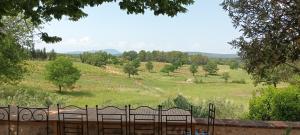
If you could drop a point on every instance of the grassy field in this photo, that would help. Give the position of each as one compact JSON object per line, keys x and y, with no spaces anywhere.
{"x":110,"y":86}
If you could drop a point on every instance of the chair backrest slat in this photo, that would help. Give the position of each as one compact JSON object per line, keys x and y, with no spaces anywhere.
{"x":176,"y":118}
{"x":71,"y":120}
{"x":144,"y":120}
{"x":111,"y":120}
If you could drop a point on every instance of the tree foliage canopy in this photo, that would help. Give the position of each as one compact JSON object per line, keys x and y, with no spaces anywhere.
{"x":149,"y":66}
{"x":211,"y":67}
{"x":41,"y":11}
{"x":271,"y":33}
{"x":198,"y":59}
{"x":13,"y":47}
{"x":168,"y":68}
{"x":130,"y":55}
{"x":99,"y":58}
{"x":12,"y":65}
{"x":226,"y":76}
{"x":194,"y":69}
{"x":130,"y":68}
{"x":62,"y":73}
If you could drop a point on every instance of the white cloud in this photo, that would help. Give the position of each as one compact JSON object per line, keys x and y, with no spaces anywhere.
{"x":68,"y":44}
{"x":85,"y":39}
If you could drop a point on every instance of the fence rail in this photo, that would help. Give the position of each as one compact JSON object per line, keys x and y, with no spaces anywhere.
{"x":125,"y":120}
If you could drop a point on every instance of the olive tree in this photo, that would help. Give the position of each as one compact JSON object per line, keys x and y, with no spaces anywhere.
{"x":194,"y":69}
{"x":211,"y":68}
{"x":130,"y":69}
{"x":62,"y":73}
{"x":149,"y":66}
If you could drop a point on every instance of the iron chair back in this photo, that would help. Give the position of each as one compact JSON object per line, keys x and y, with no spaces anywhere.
{"x":71,"y":120}
{"x":111,"y":119}
{"x":211,"y":119}
{"x":33,"y":115}
{"x":5,"y":116}
{"x":175,"y":117}
{"x":144,"y":120}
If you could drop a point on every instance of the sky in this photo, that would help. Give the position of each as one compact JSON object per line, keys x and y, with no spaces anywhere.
{"x":206,"y":27}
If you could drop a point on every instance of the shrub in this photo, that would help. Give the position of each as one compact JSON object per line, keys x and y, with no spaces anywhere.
{"x":242,"y":81}
{"x":198,"y":81}
{"x":182,"y":102}
{"x":224,"y":108}
{"x":225,"y":76}
{"x":276,"y":104}
{"x":27,"y":97}
{"x":167,"y":69}
{"x":211,"y":68}
{"x":149,"y":66}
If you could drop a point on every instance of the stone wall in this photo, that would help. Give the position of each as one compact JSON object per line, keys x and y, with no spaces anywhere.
{"x":222,"y":127}
{"x":239,"y":127}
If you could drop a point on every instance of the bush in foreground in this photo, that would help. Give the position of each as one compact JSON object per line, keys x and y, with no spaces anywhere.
{"x":28,"y":97}
{"x":276,"y":104}
{"x":225,"y":109}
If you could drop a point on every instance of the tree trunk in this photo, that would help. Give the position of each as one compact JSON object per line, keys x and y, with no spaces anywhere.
{"x":59,"y":88}
{"x":128,"y":75}
{"x":274,"y":84}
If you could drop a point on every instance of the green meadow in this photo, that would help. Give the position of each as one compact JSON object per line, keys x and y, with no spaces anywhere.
{"x":110,"y":86}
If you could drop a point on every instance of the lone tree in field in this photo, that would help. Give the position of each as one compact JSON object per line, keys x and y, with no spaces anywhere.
{"x":149,"y":66}
{"x":167,"y":69}
{"x":225,"y":76}
{"x":194,"y":69}
{"x":62,"y":73}
{"x":211,"y":68}
{"x":131,"y":69}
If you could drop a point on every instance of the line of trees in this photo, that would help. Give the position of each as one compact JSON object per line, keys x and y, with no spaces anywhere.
{"x":169,"y":57}
{"x":176,"y":59}
{"x":41,"y":54}
{"x":99,"y":58}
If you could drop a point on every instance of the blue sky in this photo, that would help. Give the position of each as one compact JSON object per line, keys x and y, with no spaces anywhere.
{"x":206,"y":27}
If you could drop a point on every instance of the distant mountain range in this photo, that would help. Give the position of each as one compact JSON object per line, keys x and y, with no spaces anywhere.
{"x":118,"y":53}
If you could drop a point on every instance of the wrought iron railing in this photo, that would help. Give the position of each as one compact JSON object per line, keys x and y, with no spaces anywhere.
{"x":112,"y":120}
